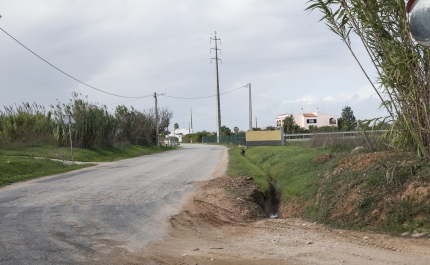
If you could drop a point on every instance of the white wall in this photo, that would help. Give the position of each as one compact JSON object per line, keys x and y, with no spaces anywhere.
{"x":322,"y":119}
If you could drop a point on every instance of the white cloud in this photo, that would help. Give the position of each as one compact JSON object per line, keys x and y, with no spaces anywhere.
{"x":309,"y":99}
{"x":364,"y":93}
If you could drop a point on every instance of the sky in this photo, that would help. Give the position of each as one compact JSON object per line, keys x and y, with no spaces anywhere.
{"x":133,"y":48}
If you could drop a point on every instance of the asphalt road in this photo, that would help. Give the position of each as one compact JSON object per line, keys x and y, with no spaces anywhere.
{"x":83,"y":216}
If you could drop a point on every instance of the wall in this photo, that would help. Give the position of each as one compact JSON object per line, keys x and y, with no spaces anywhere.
{"x":254,"y":138}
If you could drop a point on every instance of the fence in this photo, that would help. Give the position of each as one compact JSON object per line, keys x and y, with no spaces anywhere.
{"x":237,"y":139}
{"x":308,"y":136}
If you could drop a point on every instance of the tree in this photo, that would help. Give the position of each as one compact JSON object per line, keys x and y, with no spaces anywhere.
{"x":347,"y":120}
{"x":236,"y":130}
{"x":225,"y":131}
{"x":176,"y":126}
{"x":270,"y":128}
{"x":401,"y":63}
{"x":290,"y":125}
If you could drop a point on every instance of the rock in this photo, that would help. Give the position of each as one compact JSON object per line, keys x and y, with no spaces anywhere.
{"x":309,"y":243}
{"x":303,"y":224}
{"x":196,"y":249}
{"x":418,"y":234}
{"x":184,"y":255}
{"x":405,"y":234}
{"x":365,"y":237}
{"x":357,"y":149}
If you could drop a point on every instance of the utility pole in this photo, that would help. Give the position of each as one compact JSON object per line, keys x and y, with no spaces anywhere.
{"x":192,"y":120}
{"x":218,"y":106}
{"x":156,"y":117}
{"x":156,"y":120}
{"x":256,"y":126}
{"x":250,"y":108}
{"x":69,"y":117}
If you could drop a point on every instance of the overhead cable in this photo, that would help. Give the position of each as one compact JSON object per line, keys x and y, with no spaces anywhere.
{"x":61,"y":71}
{"x":206,"y":96}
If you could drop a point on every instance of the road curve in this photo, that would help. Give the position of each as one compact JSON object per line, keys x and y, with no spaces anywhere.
{"x":82,"y":216}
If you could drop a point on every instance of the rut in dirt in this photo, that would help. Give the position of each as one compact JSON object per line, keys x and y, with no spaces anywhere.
{"x":270,"y":202}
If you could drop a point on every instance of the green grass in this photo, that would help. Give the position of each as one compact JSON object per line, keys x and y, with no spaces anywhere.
{"x":101,"y":154}
{"x":13,"y":169}
{"x":292,"y":167}
{"x":321,"y":190}
{"x":238,"y":165}
{"x":18,"y":163}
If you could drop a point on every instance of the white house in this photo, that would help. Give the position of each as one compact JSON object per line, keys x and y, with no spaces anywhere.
{"x":179,"y":133}
{"x":305,"y":120}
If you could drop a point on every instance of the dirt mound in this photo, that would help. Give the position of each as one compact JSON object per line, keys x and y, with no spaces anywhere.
{"x":416,"y":192}
{"x":361,"y":161}
{"x":217,"y":198}
{"x":217,"y":227}
{"x":323,"y":158}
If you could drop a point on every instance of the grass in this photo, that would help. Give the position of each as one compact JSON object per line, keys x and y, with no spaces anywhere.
{"x":18,"y":163}
{"x":348,"y":198}
{"x":101,"y":154}
{"x":238,"y":165}
{"x":292,"y":167}
{"x":24,"y":168}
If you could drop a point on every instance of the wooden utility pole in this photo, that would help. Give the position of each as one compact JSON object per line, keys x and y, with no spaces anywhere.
{"x":192,"y":120}
{"x":218,"y":106}
{"x":70,"y":134}
{"x":250,"y":108}
{"x":156,"y":120}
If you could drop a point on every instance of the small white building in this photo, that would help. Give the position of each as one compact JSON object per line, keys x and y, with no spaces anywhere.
{"x":305,"y":120}
{"x":179,"y":133}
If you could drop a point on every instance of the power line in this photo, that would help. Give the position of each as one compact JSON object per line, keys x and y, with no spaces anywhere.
{"x":206,"y":96}
{"x":61,"y":71}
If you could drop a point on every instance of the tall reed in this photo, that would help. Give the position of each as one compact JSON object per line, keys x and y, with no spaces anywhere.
{"x":25,"y":123}
{"x":401,"y":64}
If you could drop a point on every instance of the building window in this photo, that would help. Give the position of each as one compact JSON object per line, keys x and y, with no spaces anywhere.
{"x":312,"y":120}
{"x":332,"y":121}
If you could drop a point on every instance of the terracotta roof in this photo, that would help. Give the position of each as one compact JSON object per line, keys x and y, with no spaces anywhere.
{"x":309,"y":115}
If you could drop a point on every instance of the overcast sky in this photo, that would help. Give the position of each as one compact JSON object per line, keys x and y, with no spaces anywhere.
{"x":135,"y":48}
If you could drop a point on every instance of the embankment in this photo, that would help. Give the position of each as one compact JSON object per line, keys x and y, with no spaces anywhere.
{"x":383,"y":191}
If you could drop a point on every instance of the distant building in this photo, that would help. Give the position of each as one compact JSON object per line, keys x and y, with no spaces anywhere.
{"x":179,"y":133}
{"x":305,"y":120}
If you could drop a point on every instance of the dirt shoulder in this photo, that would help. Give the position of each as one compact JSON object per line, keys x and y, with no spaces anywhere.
{"x":221,"y":224}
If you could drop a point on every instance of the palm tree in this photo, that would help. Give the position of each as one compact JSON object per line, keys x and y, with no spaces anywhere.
{"x":236,"y":130}
{"x":176,"y":126}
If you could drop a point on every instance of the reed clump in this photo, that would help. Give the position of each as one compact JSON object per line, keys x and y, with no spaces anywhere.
{"x":94,"y":124}
{"x":401,"y":64}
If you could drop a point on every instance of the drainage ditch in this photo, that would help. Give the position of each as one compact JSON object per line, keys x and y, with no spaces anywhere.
{"x":270,"y":202}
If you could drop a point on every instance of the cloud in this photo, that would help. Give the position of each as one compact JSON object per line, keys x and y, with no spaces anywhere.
{"x":364,"y":93}
{"x":309,"y":99}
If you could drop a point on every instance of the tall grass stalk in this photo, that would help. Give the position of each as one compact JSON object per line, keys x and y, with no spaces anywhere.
{"x":94,"y":126}
{"x":402,"y":65}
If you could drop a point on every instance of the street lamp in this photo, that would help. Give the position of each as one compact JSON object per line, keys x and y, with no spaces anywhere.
{"x":156,"y":118}
{"x":419,"y":20}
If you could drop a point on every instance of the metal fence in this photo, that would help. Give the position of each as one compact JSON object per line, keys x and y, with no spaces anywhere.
{"x":237,"y":139}
{"x":308,"y":136}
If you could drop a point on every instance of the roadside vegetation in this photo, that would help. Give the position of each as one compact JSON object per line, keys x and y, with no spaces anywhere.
{"x":14,"y":169}
{"x":382,"y":189}
{"x":401,"y":63}
{"x":371,"y":181}
{"x":29,"y":132}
